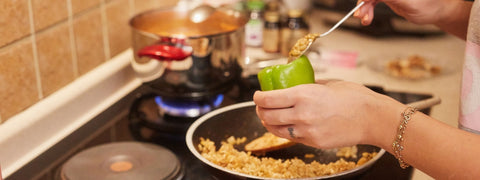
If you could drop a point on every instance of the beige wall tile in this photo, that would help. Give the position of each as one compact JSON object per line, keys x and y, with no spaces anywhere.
{"x":48,"y":12}
{"x":89,"y":40}
{"x":167,"y":3}
{"x":14,"y":22}
{"x":55,"y":58}
{"x":145,"y":5}
{"x":119,"y":34}
{"x":50,"y":17}
{"x":82,"y":5}
{"x":18,"y":87}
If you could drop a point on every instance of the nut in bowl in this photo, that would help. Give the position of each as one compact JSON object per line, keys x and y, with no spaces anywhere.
{"x":412,"y":66}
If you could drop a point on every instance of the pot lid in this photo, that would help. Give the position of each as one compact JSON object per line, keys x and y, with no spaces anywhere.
{"x":177,"y":23}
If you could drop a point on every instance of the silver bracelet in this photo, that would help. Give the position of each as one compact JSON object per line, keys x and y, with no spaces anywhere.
{"x":398,"y":141}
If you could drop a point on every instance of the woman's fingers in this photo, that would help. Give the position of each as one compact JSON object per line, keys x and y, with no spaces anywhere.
{"x":368,"y":18}
{"x":276,"y":117}
{"x":286,"y":98}
{"x":365,"y":13}
{"x":285,"y":131}
{"x":361,"y":11}
{"x":282,"y":98}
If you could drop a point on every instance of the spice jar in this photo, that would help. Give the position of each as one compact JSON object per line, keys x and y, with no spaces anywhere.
{"x":271,"y":32}
{"x":294,"y":29}
{"x":254,"y":27}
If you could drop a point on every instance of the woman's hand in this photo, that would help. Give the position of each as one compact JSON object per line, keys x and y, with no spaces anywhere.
{"x":449,"y":15}
{"x":416,"y":11}
{"x":329,"y":114}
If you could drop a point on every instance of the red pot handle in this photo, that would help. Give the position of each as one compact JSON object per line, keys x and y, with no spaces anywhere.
{"x":165,"y":52}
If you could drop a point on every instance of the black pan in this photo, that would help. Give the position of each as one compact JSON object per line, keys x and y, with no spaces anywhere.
{"x":240,"y":120}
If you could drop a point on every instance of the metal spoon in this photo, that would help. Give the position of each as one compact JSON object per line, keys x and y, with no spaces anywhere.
{"x":315,"y":36}
{"x":201,"y":13}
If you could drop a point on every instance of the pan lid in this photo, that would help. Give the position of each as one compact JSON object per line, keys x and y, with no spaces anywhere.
{"x":172,"y":22}
{"x":123,"y":160}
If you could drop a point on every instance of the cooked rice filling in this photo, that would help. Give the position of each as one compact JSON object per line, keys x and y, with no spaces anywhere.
{"x":244,"y":162}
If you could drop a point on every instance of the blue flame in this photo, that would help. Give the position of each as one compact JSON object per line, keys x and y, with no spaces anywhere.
{"x":188,"y":108}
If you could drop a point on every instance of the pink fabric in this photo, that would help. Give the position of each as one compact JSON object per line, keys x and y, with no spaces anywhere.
{"x":469,"y":118}
{"x":472,"y":49}
{"x":467,"y":81}
{"x":470,"y":95}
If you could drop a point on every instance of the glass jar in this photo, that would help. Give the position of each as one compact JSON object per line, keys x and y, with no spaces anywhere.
{"x":294,"y":29}
{"x":271,"y":32}
{"x":254,"y":27}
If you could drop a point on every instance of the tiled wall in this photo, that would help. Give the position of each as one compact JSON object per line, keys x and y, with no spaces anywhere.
{"x":47,"y":44}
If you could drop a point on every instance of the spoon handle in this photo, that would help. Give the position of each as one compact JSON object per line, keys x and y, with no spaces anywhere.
{"x":343,"y":19}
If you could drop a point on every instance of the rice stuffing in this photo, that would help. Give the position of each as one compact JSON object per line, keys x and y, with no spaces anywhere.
{"x":244,"y":162}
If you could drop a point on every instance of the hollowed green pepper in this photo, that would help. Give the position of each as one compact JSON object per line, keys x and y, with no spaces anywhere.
{"x":297,"y":72}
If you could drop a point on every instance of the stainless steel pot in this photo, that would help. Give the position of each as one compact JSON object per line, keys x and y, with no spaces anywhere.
{"x":182,"y":59}
{"x":240,"y":120}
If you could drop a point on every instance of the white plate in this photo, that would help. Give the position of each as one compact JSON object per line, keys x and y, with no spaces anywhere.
{"x":380,"y":61}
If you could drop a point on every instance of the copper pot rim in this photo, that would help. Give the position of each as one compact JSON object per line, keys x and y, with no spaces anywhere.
{"x":240,"y":17}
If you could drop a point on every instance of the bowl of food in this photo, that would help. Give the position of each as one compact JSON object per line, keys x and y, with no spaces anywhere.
{"x":413,"y":66}
{"x":219,"y":137}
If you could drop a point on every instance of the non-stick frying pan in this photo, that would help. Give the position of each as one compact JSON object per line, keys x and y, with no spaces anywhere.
{"x":240,"y":120}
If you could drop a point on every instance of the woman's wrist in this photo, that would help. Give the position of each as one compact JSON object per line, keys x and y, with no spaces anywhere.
{"x":398,"y":140}
{"x":383,"y":127}
{"x":453,"y":17}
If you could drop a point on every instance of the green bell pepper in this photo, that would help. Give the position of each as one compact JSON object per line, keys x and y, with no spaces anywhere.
{"x":282,"y":76}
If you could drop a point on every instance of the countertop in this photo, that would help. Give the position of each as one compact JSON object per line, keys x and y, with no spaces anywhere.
{"x":446,"y":47}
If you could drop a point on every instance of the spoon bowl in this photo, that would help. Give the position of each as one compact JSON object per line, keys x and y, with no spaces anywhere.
{"x":302,"y":45}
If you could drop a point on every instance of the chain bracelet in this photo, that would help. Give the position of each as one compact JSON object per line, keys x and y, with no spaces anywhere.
{"x":397,"y":145}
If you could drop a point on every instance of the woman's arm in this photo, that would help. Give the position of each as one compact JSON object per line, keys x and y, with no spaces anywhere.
{"x":338,"y":113}
{"x":442,"y":151}
{"x":450,"y":15}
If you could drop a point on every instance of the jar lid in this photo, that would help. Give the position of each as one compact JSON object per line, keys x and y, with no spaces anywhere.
{"x":295,"y":13}
{"x":272,"y":16}
{"x":255,"y":5}
{"x":272,"y":6}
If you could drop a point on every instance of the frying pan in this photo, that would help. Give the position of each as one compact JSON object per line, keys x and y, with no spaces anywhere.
{"x":240,"y":120}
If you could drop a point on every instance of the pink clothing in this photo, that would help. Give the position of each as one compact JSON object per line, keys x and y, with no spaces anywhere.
{"x":470,"y":96}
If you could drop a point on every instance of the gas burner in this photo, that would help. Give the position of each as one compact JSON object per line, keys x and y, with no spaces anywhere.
{"x":165,"y":121}
{"x":186,"y":107}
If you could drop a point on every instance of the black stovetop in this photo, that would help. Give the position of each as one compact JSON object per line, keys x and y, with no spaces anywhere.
{"x":385,"y":168}
{"x":119,"y":118}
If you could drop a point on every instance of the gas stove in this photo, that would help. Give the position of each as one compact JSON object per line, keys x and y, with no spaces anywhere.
{"x":152,"y":120}
{"x":125,"y":121}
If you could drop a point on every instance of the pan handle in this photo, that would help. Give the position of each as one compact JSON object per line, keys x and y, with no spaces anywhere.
{"x":426,"y":103}
{"x":164,"y":52}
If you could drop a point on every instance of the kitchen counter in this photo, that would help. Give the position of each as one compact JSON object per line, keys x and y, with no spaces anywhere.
{"x":447,"y":86}
{"x":77,"y":104}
